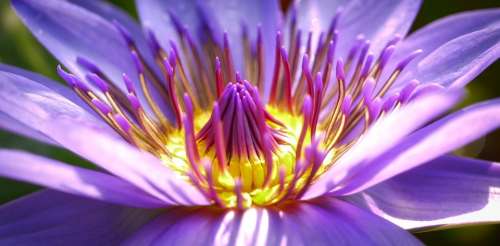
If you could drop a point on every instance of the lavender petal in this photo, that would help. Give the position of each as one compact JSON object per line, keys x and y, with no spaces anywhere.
{"x":27,"y":167}
{"x":166,"y":18}
{"x":9,"y":124}
{"x":51,"y":84}
{"x":434,"y":140}
{"x":55,"y":218}
{"x":446,"y":192}
{"x":325,"y":221}
{"x":378,"y":21}
{"x":69,"y":31}
{"x":455,"y":49}
{"x":35,"y":105}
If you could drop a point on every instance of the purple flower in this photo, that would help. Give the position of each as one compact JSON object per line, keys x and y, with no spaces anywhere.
{"x":229,"y":122}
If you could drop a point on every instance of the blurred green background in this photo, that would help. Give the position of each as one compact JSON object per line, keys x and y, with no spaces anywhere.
{"x":19,"y":48}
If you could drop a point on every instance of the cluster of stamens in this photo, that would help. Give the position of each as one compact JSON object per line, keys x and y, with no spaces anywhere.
{"x":207,"y":122}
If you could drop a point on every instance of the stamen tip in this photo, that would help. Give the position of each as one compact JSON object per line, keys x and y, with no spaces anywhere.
{"x":168,"y":67}
{"x":152,"y":41}
{"x":122,"y":122}
{"x":346,"y":105}
{"x":87,"y":65}
{"x":137,"y":63}
{"x":172,"y":58}
{"x":340,"y":70}
{"x":402,"y":64}
{"x":134,"y":101}
{"x":128,"y":83}
{"x":390,"y":102}
{"x":101,"y":106}
{"x":123,"y":32}
{"x":217,"y":63}
{"x":80,"y":84}
{"x":98,"y":81}
{"x":284,"y":54}
{"x":368,"y":89}
{"x":408,"y":90}
{"x":386,"y":54}
{"x":65,"y":76}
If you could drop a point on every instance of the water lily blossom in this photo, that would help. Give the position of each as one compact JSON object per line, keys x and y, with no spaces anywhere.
{"x":234,"y":123}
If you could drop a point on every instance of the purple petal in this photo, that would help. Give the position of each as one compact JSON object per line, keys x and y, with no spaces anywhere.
{"x":69,"y":31}
{"x":434,"y":140}
{"x":75,"y":180}
{"x":8,"y":123}
{"x":55,"y":218}
{"x":446,"y":192}
{"x":382,"y":136}
{"x":378,"y":21}
{"x":35,"y":105}
{"x":456,"y":48}
{"x":51,"y":84}
{"x":47,"y":112}
{"x":325,"y":221}
{"x":157,"y":15}
{"x":139,"y":168}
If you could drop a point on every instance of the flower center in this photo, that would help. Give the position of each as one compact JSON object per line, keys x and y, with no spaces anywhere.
{"x":238,"y":149}
{"x":247,"y":152}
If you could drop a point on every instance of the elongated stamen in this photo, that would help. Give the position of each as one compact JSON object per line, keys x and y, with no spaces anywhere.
{"x":295,"y":54}
{"x":314,"y":159}
{"x":288,"y":80}
{"x":306,"y":112}
{"x":277,"y":69}
{"x":218,"y":77}
{"x":317,"y":99}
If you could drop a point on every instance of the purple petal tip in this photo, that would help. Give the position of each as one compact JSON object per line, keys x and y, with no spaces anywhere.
{"x":390,"y":102}
{"x":402,"y":64}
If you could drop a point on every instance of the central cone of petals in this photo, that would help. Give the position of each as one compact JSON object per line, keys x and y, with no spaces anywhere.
{"x":237,"y":146}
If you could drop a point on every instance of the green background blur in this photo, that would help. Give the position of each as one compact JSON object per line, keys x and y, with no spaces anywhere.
{"x":19,"y":48}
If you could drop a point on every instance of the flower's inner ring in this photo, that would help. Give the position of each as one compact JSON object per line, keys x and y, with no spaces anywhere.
{"x":223,"y":137}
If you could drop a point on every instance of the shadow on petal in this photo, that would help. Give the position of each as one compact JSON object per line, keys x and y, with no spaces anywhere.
{"x":323,"y":221}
